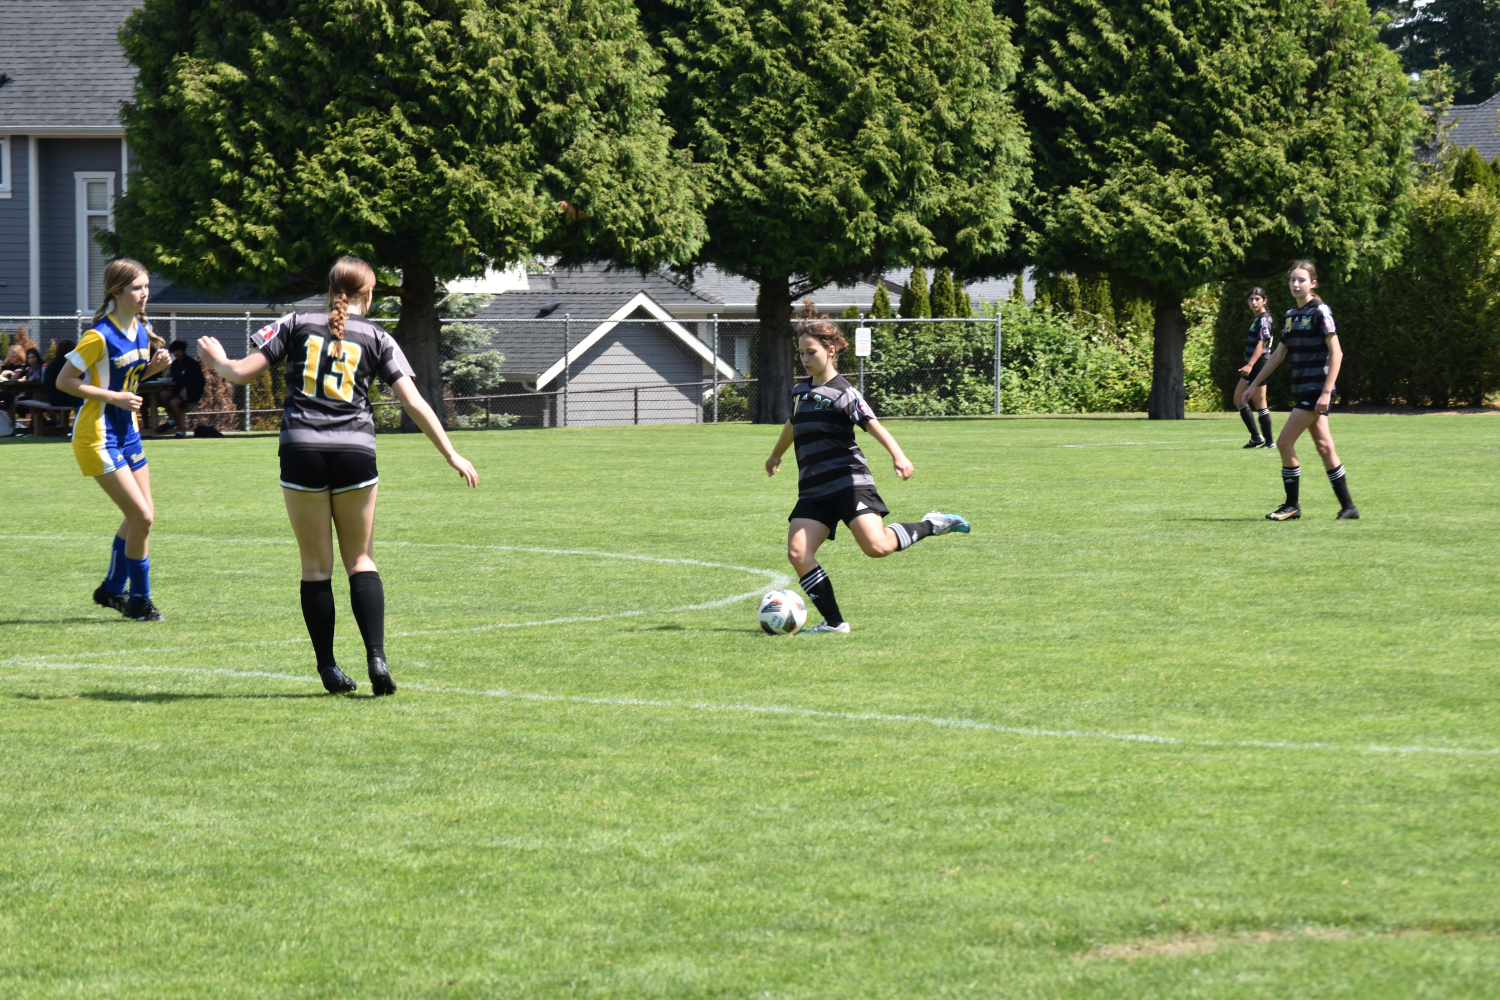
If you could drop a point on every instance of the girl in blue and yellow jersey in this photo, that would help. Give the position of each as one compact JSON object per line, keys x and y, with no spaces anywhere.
{"x":111,"y":360}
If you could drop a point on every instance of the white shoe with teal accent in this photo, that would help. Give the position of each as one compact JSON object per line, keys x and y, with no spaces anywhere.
{"x":944,"y":523}
{"x":825,"y":627}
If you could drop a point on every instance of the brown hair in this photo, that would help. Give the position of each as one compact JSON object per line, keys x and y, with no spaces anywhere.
{"x":826,"y":333}
{"x":349,"y":277}
{"x":118,"y":274}
{"x":1310,"y":268}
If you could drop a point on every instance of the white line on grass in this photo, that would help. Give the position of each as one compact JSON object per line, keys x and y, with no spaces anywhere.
{"x":704,"y":706}
{"x":1118,"y":444}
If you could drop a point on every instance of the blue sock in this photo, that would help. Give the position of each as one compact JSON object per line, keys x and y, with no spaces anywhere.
{"x":140,"y":578}
{"x":115,"y":579}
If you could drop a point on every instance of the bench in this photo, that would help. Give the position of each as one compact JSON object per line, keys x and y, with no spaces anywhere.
{"x":37,"y":408}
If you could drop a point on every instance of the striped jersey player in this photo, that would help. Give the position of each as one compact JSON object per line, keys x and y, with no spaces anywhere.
{"x":1257,"y":351}
{"x":833,"y":479}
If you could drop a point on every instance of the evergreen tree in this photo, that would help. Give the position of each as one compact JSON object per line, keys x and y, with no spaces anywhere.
{"x":881,"y":308}
{"x":1461,"y":35}
{"x":944,"y":304}
{"x":915,"y":301}
{"x":965,"y":307}
{"x":1181,"y":142}
{"x":1018,"y":288}
{"x":842,"y":139}
{"x":1470,"y":170}
{"x":851,"y":312}
{"x":429,"y":136}
{"x":1094,"y":296}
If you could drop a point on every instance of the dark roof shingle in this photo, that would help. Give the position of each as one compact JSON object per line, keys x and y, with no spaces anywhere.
{"x":1474,"y":125}
{"x":68,"y":74}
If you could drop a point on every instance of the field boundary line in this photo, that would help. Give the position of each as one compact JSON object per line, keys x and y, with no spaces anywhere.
{"x":787,"y":710}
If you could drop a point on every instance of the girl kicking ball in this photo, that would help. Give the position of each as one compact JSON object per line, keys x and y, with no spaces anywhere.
{"x":833,"y":481}
{"x":1312,"y":340}
{"x":1257,"y":349}
{"x":327,"y":451}
{"x":104,"y":369}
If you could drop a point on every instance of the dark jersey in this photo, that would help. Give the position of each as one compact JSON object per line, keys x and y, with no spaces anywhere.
{"x":1260,"y":333}
{"x":823,"y":421}
{"x":187,"y":373}
{"x":328,"y":388}
{"x":1306,"y":338}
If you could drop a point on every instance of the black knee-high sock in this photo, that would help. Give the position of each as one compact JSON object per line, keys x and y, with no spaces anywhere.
{"x":317,"y":612}
{"x":1340,"y":483}
{"x":909,"y":533}
{"x":1249,"y":418}
{"x":1291,"y":478}
{"x":1265,"y":424}
{"x":819,"y":590}
{"x":367,"y":594}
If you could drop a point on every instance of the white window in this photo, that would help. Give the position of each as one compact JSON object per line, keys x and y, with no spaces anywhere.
{"x":4,"y":166}
{"x":95,"y":200}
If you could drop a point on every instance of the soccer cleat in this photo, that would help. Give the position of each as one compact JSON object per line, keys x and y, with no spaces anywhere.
{"x":1286,"y":512}
{"x":1347,"y":514}
{"x":105,"y":599}
{"x":1255,"y":443}
{"x":380,"y":677}
{"x":1269,"y":446}
{"x":842,"y":627}
{"x":142,"y":610}
{"x":944,"y":523}
{"x":335,"y":680}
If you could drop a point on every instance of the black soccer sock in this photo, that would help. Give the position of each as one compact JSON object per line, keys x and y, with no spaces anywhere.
{"x":1340,"y":483}
{"x":317,"y":612}
{"x":909,"y":533}
{"x":819,"y":590}
{"x":1249,"y":418}
{"x":1291,"y":478}
{"x":1265,"y":424}
{"x":367,"y":594}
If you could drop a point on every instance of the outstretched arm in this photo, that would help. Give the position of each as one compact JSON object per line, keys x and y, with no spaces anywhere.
{"x":241,"y":372}
{"x":416,"y":407}
{"x":773,"y":464}
{"x":903,"y":465}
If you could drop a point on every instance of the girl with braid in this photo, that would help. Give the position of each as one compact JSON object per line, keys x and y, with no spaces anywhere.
{"x":328,"y":474}
{"x":833,"y":482}
{"x":1312,"y":340}
{"x":104,"y":370}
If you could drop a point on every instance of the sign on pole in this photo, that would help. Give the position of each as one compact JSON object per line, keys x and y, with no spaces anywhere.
{"x":862,"y":342}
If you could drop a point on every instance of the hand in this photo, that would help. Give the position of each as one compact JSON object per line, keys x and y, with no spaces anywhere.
{"x":127,"y":401}
{"x":903,"y":466}
{"x":160,"y":361}
{"x":210,"y":348}
{"x":1245,"y":371}
{"x":465,"y":469}
{"x":773,"y":465}
{"x":1324,"y":398}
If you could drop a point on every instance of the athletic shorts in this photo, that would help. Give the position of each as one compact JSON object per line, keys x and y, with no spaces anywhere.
{"x":1310,"y":401}
{"x":336,"y":471}
{"x":115,"y":452}
{"x":1255,"y":369}
{"x":845,"y":506}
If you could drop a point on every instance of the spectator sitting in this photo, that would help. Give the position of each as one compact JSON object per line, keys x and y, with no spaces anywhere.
{"x":14,"y":369}
{"x":56,"y":396}
{"x":187,"y":386}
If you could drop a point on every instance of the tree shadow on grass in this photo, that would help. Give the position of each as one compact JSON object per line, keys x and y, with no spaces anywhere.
{"x":55,"y":621}
{"x":166,"y":697}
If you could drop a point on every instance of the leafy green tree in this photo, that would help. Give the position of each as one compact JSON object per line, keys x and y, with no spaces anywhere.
{"x":1470,"y":170}
{"x":428,"y":136}
{"x":1179,"y":143}
{"x":1462,"y":35}
{"x":916,"y":301}
{"x":841,"y":140}
{"x":881,"y":307}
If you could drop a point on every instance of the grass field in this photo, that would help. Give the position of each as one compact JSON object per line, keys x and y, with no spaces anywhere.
{"x":944,"y":803}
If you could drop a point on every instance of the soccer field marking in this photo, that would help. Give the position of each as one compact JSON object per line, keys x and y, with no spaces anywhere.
{"x":774,"y":580}
{"x":1120,"y":444}
{"x":48,"y":663}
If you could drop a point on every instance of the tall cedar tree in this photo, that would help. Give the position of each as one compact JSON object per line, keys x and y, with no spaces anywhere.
{"x":1463,"y":35}
{"x":1182,"y":141}
{"x":428,"y":136}
{"x":841,"y":139}
{"x":916,"y":303}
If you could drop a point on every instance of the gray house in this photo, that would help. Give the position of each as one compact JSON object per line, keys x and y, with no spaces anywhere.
{"x":1475,"y":125}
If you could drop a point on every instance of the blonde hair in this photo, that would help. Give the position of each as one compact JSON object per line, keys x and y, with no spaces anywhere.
{"x":349,"y":277}
{"x":118,"y":274}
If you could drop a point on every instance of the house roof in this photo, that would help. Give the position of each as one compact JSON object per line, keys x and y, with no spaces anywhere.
{"x":1474,"y":125}
{"x":68,"y":74}
{"x":184,"y":299}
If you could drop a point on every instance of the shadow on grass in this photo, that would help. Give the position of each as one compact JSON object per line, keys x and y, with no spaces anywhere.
{"x":56,"y":621}
{"x":166,"y":697}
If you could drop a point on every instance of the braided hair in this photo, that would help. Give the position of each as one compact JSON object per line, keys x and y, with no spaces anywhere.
{"x":118,"y":274}
{"x":349,"y":277}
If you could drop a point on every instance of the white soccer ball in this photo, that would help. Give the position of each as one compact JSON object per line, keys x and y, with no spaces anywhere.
{"x":781,"y":612}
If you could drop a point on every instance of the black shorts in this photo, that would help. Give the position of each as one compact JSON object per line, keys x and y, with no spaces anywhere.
{"x":336,"y":471}
{"x":1309,"y":401}
{"x":845,"y":506}
{"x":1255,"y":369}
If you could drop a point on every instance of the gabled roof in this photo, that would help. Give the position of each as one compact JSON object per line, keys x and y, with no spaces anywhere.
{"x":68,"y":74}
{"x":1474,"y":125}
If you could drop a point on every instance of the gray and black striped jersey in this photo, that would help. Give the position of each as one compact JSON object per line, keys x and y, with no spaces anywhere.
{"x":823,"y":421}
{"x":1306,"y":338}
{"x":1260,"y":333}
{"x":328,"y":386}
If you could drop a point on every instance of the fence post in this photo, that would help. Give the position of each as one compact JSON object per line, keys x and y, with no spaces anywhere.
{"x":637,"y":418}
{"x":80,"y":316}
{"x":246,"y":354}
{"x":999,"y":309}
{"x":716,"y":367}
{"x":567,"y":374}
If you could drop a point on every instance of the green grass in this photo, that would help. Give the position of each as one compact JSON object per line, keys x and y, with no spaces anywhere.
{"x":171,"y":831}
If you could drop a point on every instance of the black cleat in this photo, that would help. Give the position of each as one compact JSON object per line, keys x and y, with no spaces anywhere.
{"x":142,"y":611}
{"x":380,"y":677}
{"x":1254,"y":443}
{"x":105,"y":599}
{"x":1269,"y":446}
{"x":1347,"y":514}
{"x":335,"y":680}
{"x":1286,"y":512}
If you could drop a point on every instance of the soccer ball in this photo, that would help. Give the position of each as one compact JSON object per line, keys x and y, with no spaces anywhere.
{"x":781,"y":612}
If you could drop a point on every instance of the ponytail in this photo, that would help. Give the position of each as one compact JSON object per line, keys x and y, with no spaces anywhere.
{"x":118,"y":274}
{"x":349,"y":276}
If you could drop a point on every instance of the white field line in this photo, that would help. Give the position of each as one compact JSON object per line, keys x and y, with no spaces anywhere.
{"x":812,"y":713}
{"x":1120,"y":444}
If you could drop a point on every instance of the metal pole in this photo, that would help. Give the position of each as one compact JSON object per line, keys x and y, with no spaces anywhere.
{"x":567,"y":330}
{"x":637,"y":418}
{"x":246,"y":354}
{"x":999,"y":309}
{"x":716,"y":367}
{"x":861,"y":367}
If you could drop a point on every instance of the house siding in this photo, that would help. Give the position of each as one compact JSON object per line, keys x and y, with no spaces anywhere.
{"x":15,"y":241}
{"x":636,"y":353}
{"x":59,"y":159}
